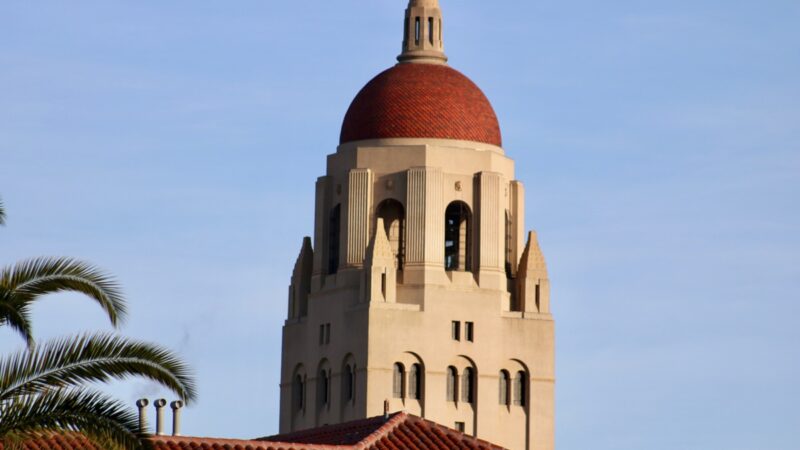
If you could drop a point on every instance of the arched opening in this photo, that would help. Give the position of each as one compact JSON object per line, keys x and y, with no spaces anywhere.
{"x":398,"y":376}
{"x":323,"y":388}
{"x":415,"y":382}
{"x":298,"y":393}
{"x":468,"y":385}
{"x":520,"y":389}
{"x":348,"y":384}
{"x":334,"y":231}
{"x":394,"y":222}
{"x":452,"y":384}
{"x":457,"y":237}
{"x":505,"y":381}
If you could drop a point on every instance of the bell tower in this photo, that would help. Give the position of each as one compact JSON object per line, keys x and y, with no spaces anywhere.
{"x":421,"y":286}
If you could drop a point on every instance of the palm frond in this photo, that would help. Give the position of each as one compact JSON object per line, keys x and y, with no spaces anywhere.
{"x":105,"y":422}
{"x":71,"y":361}
{"x":18,"y":318}
{"x":26,"y":281}
{"x":2,"y":213}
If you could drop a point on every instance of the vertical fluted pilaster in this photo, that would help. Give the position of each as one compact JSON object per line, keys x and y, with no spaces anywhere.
{"x":491,"y":237}
{"x":425,"y":231}
{"x":359,"y":205}
{"x":492,"y":219}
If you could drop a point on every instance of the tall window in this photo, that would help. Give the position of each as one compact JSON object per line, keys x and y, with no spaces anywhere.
{"x":455,"y":330}
{"x":457,"y":237}
{"x":505,"y":381}
{"x":430,"y":30}
{"x":452,"y":377}
{"x":520,"y":389}
{"x":334,"y":230}
{"x":397,"y":380}
{"x":394,"y":218}
{"x":348,"y":384}
{"x":509,"y":246}
{"x":468,"y":385}
{"x":415,"y":382}
{"x":324,"y":388}
{"x":298,"y":392}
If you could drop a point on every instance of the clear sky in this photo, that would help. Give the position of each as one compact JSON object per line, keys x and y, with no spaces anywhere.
{"x":176,"y":144}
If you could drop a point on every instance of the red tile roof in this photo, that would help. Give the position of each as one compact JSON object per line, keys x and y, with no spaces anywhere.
{"x":400,"y":431}
{"x":421,"y":101}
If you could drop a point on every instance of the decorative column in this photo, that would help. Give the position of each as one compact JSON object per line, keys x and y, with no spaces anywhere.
{"x":425,"y":225}
{"x":359,"y":205}
{"x":491,"y":237}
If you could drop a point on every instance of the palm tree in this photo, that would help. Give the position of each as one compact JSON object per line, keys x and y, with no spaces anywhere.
{"x":2,"y":213}
{"x":43,"y":388}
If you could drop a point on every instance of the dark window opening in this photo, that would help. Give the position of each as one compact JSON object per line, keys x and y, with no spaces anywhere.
{"x":469,"y":331}
{"x":348,"y":384}
{"x":324,"y":388}
{"x":520,"y":389}
{"x":417,"y":31}
{"x":334,"y":230}
{"x":457,"y":231}
{"x":430,"y":30}
{"x":452,"y":377}
{"x":455,"y":330}
{"x":297,"y":393}
{"x":468,"y":385}
{"x":397,"y":381}
{"x":505,"y":380}
{"x":415,"y":382}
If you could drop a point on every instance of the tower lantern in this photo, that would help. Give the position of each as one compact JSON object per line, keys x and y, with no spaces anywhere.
{"x":423,"y":35}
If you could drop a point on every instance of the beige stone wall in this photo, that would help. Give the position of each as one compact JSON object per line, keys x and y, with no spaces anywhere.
{"x":381,"y":310}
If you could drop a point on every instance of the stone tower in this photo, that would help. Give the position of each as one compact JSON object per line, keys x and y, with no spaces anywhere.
{"x":422,"y":288}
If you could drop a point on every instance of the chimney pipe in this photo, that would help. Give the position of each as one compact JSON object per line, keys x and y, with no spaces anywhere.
{"x":160,"y":404}
{"x":176,"y":417}
{"x":386,"y":409}
{"x":142,"y":404}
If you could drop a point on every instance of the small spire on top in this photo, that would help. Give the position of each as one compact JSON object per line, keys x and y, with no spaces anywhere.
{"x":422,"y":35}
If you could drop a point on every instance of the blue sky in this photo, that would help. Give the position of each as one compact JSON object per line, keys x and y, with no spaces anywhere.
{"x":176,"y":144}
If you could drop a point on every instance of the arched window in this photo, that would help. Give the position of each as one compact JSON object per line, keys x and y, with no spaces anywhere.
{"x":348,"y":384}
{"x":457,"y":248}
{"x":415,"y":382}
{"x":397,"y":381}
{"x":334,"y":230}
{"x":324,"y":388}
{"x":505,"y":381}
{"x":468,"y":385}
{"x":298,"y":393}
{"x":520,"y":389}
{"x":394,"y":222}
{"x":452,"y":377}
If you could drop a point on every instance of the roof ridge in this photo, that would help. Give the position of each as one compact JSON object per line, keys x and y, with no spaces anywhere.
{"x":395,"y":420}
{"x":254,"y":443}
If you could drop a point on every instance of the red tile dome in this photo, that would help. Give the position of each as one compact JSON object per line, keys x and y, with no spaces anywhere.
{"x":421,"y":101}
